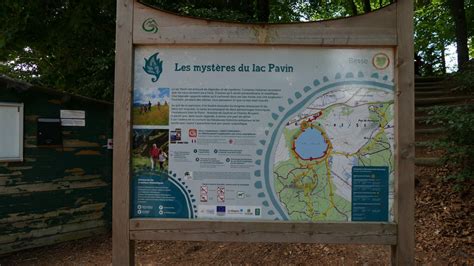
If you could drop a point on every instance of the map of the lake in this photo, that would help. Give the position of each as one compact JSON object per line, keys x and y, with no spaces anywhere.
{"x":310,"y":144}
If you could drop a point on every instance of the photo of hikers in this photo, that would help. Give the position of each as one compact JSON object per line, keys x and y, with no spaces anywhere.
{"x":151,"y":106}
{"x":150,"y":150}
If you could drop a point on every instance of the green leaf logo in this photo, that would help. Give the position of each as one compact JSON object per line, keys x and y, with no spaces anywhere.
{"x":154,"y":66}
{"x":150,"y":25}
{"x":381,"y":61}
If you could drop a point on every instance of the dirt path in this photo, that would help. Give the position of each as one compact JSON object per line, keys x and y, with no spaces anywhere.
{"x":444,"y":235}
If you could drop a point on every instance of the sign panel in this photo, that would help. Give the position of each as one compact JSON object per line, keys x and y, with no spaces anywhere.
{"x":11,"y":132}
{"x":67,"y":122}
{"x":369,"y":193}
{"x":74,"y":114}
{"x":73,"y":118}
{"x":263,"y":133}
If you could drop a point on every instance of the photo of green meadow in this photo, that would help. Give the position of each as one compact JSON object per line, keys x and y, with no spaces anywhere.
{"x":151,"y":106}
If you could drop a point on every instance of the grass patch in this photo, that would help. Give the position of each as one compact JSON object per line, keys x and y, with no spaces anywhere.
{"x":154,"y":117}
{"x":140,"y":163}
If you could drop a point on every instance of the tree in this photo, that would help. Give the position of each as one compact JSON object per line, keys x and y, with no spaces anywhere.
{"x":435,"y":30}
{"x":353,"y":7}
{"x":328,"y":9}
{"x":263,"y":10}
{"x":68,"y":44}
{"x":460,"y":28}
{"x":367,"y":7}
{"x":433,"y":33}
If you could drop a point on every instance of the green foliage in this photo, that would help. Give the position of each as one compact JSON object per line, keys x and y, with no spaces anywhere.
{"x":433,"y":24}
{"x":280,"y":10}
{"x":458,"y":143}
{"x":434,"y":31}
{"x":465,"y":80}
{"x":325,"y":9}
{"x":459,"y":122}
{"x":236,"y":10}
{"x":68,"y":44}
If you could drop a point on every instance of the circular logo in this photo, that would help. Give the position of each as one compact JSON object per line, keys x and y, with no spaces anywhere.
{"x":150,"y":25}
{"x":380,"y":61}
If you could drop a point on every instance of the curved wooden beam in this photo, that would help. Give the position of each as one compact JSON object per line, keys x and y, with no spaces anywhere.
{"x":154,"y":26}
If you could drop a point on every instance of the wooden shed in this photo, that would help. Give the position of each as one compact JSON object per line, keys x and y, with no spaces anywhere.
{"x":55,"y":166}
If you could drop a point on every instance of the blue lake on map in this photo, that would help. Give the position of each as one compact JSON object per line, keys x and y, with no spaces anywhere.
{"x":310,"y":144}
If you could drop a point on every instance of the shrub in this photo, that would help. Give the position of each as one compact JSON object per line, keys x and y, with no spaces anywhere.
{"x":458,"y":120}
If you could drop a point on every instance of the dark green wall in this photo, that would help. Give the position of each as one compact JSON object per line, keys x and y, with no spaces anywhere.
{"x":57,"y":193}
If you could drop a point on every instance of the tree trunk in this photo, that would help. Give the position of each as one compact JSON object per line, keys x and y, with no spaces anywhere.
{"x":247,"y":7}
{"x":367,"y":8}
{"x":353,"y":7}
{"x":460,"y":28}
{"x":263,"y":10}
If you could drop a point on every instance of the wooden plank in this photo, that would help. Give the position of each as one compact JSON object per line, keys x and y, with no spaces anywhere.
{"x":92,"y":181}
{"x":35,"y":208}
{"x":50,"y":240}
{"x":14,"y":218}
{"x":88,"y":153}
{"x":122,"y":247}
{"x":404,"y":252}
{"x":21,"y":219}
{"x":19,"y":228}
{"x":270,"y":231}
{"x":376,"y":28}
{"x":45,"y":180}
{"x":76,"y":143}
{"x":53,"y":230}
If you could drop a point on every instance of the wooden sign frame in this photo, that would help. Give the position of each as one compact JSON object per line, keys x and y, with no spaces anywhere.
{"x":391,"y":26}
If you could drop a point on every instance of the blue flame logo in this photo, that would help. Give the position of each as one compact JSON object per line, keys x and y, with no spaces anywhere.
{"x":154,"y":66}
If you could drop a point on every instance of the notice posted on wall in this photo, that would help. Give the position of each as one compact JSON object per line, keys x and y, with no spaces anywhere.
{"x":263,"y":133}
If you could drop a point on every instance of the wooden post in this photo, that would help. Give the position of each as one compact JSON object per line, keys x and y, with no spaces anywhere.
{"x":404,"y":252}
{"x":122,"y":247}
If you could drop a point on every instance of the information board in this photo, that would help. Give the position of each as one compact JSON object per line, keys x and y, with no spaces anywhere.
{"x":274,"y":133}
{"x":297,"y":132}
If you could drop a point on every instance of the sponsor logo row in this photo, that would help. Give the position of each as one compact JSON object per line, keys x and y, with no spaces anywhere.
{"x":210,"y":211}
